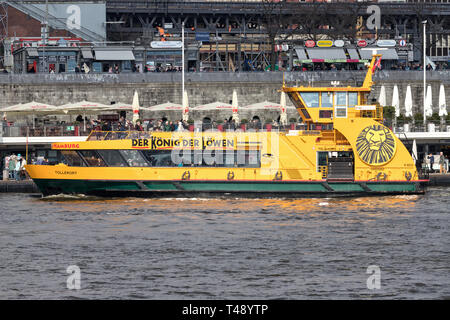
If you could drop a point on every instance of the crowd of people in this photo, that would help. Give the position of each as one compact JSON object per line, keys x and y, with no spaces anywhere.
{"x":429,"y":161}
{"x":14,"y":167}
{"x":164,"y":125}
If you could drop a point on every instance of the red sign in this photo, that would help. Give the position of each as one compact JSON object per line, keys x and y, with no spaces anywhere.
{"x":362,"y":43}
{"x":310,"y":43}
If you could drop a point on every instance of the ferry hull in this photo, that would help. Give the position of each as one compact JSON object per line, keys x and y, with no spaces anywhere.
{"x":264,"y":189}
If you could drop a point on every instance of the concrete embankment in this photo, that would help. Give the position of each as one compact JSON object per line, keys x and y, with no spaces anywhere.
{"x":203,"y":87}
{"x":24,"y":186}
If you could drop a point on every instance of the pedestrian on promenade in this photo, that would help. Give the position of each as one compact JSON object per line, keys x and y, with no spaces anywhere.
{"x":18,"y":168}
{"x":12,"y":166}
{"x":442,"y":163}
{"x":431,"y":158}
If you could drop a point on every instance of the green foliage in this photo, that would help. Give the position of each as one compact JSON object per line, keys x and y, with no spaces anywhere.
{"x":389,"y":112}
{"x":418,"y":117}
{"x":190,"y":121}
{"x":244,"y":121}
{"x":292,"y":120}
{"x":435,"y":116}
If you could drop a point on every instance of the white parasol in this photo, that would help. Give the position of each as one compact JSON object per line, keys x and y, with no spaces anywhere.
{"x":442,"y":103}
{"x":396,"y":101}
{"x":235,"y":107}
{"x":382,"y":97}
{"x":429,"y":102}
{"x":283,"y":115}
{"x":135,"y":105}
{"x":185,"y":106}
{"x":408,"y":102}
{"x":414,"y":151}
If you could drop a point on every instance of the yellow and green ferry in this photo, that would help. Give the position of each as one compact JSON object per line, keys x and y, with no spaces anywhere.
{"x":343,"y":150}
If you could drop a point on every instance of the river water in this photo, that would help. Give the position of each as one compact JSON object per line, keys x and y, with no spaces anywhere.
{"x":226,"y":248}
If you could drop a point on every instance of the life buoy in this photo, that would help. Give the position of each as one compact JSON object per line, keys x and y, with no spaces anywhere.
{"x":186,"y":175}
{"x":230,"y":175}
{"x":278,"y":175}
{"x":408,"y":175}
{"x":381,"y":176}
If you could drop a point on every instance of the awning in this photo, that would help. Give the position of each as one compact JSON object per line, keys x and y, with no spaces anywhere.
{"x":389,"y":54}
{"x":301,"y":54}
{"x":32,"y":52}
{"x":114,"y":55}
{"x":353,"y":53}
{"x":326,"y":54}
{"x":87,"y":53}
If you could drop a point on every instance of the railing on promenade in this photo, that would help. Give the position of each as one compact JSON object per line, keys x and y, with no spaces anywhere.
{"x":418,"y":126}
{"x":62,"y":130}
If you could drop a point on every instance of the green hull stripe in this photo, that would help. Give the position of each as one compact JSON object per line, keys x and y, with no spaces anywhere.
{"x":255,"y":187}
{"x":87,"y":186}
{"x":160,"y":185}
{"x":346,"y":187}
{"x":392,"y":187}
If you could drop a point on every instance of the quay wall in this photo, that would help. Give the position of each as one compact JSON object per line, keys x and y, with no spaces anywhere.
{"x":204,"y":87}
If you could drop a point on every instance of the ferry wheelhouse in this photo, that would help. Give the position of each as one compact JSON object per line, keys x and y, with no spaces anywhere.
{"x":344,"y":149}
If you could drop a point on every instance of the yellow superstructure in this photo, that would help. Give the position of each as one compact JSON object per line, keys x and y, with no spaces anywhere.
{"x":343,"y":149}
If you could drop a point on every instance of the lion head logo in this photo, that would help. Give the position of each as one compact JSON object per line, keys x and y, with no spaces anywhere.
{"x":375,"y":145}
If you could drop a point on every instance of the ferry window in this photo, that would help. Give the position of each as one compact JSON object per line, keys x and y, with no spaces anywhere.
{"x":134,"y":158}
{"x":352,"y":99}
{"x":327,"y":100}
{"x":341,"y":98}
{"x":311,"y":98}
{"x":113,"y":158}
{"x":72,"y":158}
{"x":159,"y":158}
{"x":326,"y":114}
{"x":92,"y":158}
{"x":248,"y":158}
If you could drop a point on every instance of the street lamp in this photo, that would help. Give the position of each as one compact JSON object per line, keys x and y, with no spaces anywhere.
{"x":424,"y":73}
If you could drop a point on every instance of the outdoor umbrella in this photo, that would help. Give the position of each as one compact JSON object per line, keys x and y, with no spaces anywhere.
{"x":135,"y":107}
{"x":235,"y":107}
{"x":84,"y":107}
{"x":408,"y":102}
{"x":168,"y":106}
{"x":32,"y":108}
{"x":414,"y":151}
{"x":283,"y":115}
{"x":442,"y":103}
{"x":185,"y":106}
{"x":382,"y":97}
{"x":428,"y":103}
{"x":396,"y":101}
